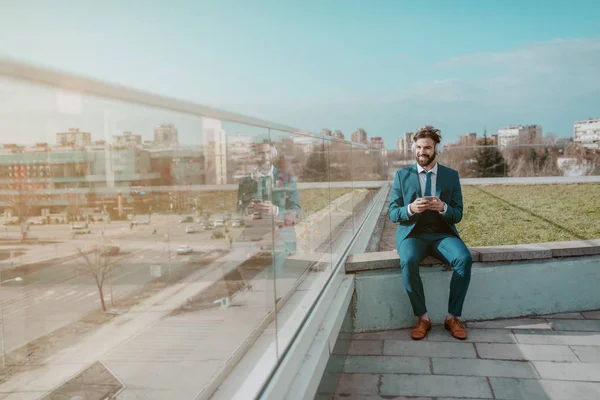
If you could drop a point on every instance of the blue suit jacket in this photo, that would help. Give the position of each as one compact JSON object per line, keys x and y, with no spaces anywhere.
{"x":407,"y":188}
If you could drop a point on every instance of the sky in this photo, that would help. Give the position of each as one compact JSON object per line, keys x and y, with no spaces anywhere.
{"x":385,"y":66}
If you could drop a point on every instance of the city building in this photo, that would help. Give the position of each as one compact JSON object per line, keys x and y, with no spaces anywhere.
{"x":326,"y":132}
{"x":338,"y":134}
{"x":468,"y":140}
{"x":74,"y":138}
{"x":166,"y":135}
{"x":127,"y":140}
{"x":360,"y":136}
{"x":405,"y":142}
{"x":377,"y":142}
{"x":238,"y":155}
{"x":215,"y":151}
{"x":514,"y":135}
{"x":305,"y":144}
{"x":587,"y":133}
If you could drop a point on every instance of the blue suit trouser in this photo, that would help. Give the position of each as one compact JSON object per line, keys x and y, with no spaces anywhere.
{"x":446,"y":247}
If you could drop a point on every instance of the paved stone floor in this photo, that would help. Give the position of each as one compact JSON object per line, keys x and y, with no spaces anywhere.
{"x":547,"y":357}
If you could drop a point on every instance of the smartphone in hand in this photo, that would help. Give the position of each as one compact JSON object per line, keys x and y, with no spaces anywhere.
{"x":428,"y":198}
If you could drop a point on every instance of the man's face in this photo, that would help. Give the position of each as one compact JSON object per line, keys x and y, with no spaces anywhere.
{"x":425,"y":151}
{"x":263,"y":156}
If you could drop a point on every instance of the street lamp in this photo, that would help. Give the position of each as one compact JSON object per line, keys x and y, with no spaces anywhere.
{"x":17,"y":279}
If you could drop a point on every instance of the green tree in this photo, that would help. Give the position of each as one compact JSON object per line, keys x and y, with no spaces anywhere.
{"x":315,"y":169}
{"x":489,"y":161}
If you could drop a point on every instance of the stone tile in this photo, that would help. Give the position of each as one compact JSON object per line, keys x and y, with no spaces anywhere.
{"x":345,"y":335}
{"x":467,"y":367}
{"x":558,"y":338}
{"x":526,"y":352}
{"x":386,"y":365}
{"x":575,"y":325}
{"x":428,"y":349}
{"x":521,"y":323}
{"x":341,"y":346}
{"x":531,"y":389}
{"x":357,"y":384}
{"x":560,"y":316}
{"x":365,"y":347}
{"x":463,"y":387}
{"x":328,"y":384}
{"x":335,"y":363}
{"x":587,"y":354}
{"x":439,"y":334}
{"x":369,"y":397}
{"x":397,"y":334}
{"x":591,"y":314}
{"x":568,"y":371}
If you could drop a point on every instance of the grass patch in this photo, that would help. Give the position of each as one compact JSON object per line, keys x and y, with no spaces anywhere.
{"x":520,"y":214}
{"x":311,"y":200}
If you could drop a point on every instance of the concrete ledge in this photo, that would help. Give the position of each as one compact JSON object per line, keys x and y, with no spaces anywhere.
{"x":522,"y":252}
{"x":499,"y":290}
{"x":516,"y":252}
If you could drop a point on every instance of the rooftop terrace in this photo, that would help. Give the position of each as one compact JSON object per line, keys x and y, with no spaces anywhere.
{"x":544,"y":357}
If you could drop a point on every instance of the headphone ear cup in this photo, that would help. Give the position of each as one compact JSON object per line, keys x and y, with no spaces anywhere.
{"x":439,"y":148}
{"x":413,"y":147}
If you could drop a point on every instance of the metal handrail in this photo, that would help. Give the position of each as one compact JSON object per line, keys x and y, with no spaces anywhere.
{"x":76,"y":83}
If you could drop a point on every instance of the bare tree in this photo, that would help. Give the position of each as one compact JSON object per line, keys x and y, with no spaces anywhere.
{"x":99,"y":265}
{"x":22,"y":201}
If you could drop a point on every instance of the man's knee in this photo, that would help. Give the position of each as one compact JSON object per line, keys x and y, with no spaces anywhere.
{"x":462,"y":263}
{"x":410,"y":261}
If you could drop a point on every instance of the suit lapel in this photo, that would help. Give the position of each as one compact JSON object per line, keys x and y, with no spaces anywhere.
{"x":415,"y":181}
{"x":440,"y":180}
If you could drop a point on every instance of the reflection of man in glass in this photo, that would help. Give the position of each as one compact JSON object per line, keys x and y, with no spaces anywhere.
{"x":269,"y":200}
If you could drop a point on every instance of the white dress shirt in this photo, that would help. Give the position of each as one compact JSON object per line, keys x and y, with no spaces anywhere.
{"x":422,"y":181}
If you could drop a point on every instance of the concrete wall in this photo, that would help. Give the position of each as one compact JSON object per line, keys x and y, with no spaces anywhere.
{"x":498,"y":290}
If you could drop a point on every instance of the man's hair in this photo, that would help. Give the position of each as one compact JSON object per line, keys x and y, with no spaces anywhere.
{"x":430,"y":132}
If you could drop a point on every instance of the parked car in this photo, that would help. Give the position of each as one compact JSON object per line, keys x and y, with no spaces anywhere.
{"x":218,"y":222}
{"x":190,"y":229}
{"x":207,"y":226}
{"x":237,"y":223}
{"x":80,"y":229}
{"x":183,"y":249}
{"x":142,"y":221}
{"x":186,"y":220}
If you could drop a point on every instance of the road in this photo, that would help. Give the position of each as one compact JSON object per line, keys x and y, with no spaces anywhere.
{"x":54,"y":294}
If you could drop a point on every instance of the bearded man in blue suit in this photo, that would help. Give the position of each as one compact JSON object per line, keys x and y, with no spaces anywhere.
{"x":426,"y":202}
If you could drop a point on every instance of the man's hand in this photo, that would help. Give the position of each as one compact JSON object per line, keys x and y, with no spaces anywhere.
{"x":266,"y":207}
{"x":419,"y":205}
{"x":435,"y":204}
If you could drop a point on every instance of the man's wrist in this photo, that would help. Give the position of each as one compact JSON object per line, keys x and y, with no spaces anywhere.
{"x":444,"y":209}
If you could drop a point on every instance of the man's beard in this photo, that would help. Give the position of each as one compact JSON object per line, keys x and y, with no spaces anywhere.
{"x":264,"y":167}
{"x":423,"y":162}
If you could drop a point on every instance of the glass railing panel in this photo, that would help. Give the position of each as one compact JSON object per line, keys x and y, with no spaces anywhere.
{"x":301,"y":248}
{"x":342,"y":196}
{"x":125,"y":246}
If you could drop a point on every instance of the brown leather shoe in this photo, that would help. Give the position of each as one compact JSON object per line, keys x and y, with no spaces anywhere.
{"x":456,"y":328}
{"x":420,"y":330}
